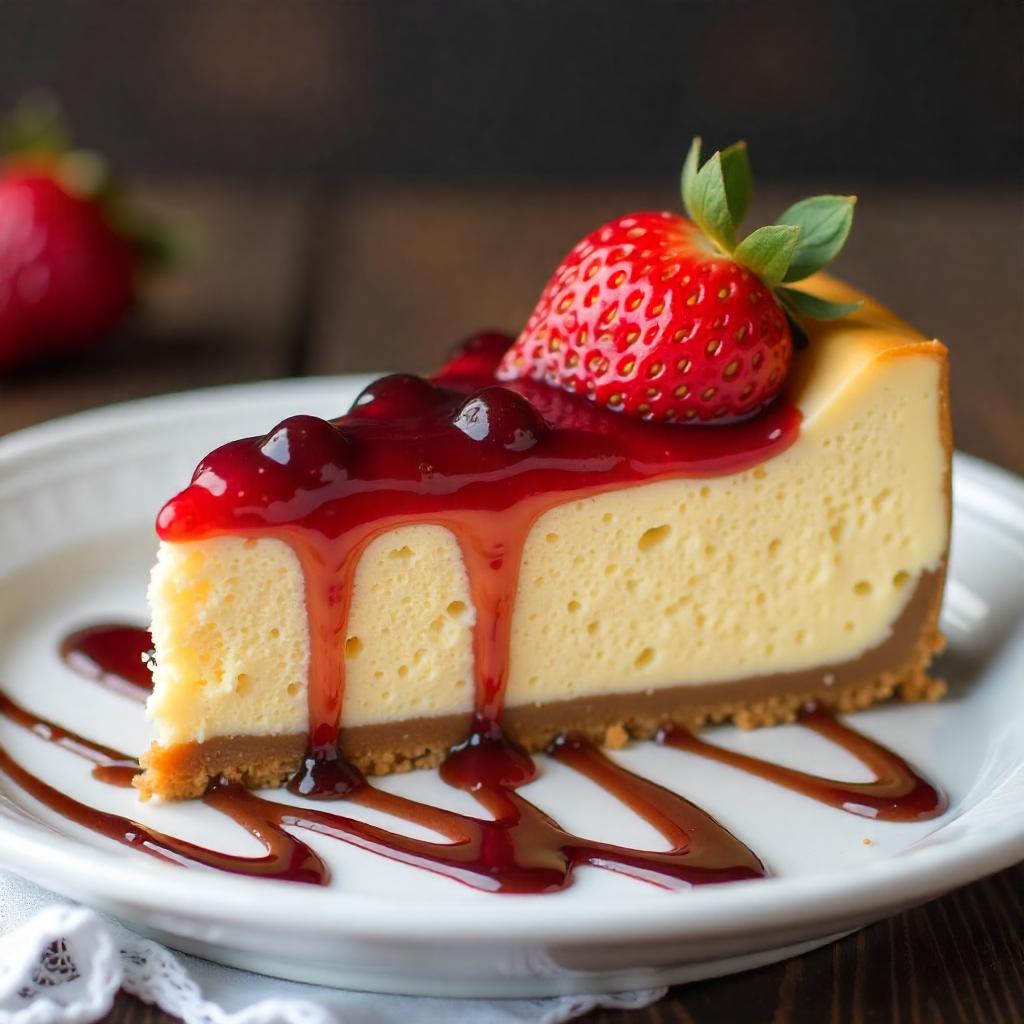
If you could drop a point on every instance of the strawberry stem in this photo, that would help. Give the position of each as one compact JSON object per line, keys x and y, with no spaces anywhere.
{"x":803,"y":240}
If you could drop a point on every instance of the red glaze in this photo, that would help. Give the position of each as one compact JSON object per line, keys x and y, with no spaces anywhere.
{"x":518,"y":848}
{"x":482,"y":459}
{"x":286,"y":858}
{"x":522,"y":849}
{"x":110,"y":766}
{"x":897,"y":793}
{"x":115,"y":656}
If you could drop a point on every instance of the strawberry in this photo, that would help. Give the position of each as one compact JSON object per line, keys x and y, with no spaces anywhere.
{"x":670,"y":319}
{"x":69,"y":259}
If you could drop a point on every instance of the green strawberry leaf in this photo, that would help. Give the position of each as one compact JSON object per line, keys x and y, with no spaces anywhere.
{"x":711,"y":207}
{"x":36,"y":127}
{"x":738,"y":180}
{"x":824,"y":223}
{"x":768,"y":251}
{"x":690,"y":167}
{"x":808,"y":305}
{"x":807,"y":237}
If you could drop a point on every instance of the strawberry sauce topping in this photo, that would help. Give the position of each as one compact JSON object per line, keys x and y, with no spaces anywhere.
{"x":482,"y":459}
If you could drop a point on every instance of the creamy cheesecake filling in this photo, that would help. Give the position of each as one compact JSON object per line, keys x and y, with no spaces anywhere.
{"x":229,"y":628}
{"x":807,"y":559}
{"x":896,"y":666}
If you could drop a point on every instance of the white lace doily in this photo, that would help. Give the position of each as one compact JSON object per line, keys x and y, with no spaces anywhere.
{"x":62,"y":964}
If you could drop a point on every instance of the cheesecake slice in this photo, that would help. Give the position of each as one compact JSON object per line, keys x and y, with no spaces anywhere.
{"x":452,"y":552}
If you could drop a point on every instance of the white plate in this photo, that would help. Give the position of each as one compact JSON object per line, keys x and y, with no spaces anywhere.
{"x":77,"y":502}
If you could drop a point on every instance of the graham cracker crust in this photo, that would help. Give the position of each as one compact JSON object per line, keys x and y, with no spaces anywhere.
{"x":895,"y":668}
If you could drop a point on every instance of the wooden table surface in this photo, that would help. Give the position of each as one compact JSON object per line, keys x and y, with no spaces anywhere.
{"x":378,"y":277}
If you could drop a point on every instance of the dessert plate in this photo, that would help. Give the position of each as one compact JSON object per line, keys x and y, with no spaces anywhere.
{"x":77,"y":502}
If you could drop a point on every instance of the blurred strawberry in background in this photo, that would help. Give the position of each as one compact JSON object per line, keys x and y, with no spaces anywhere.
{"x":72,"y":250}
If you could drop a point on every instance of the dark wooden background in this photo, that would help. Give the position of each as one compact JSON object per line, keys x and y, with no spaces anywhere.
{"x":573,"y":90}
{"x":300,"y":281}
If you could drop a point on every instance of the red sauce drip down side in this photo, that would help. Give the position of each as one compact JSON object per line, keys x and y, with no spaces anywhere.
{"x":460,"y":451}
{"x":523,"y":849}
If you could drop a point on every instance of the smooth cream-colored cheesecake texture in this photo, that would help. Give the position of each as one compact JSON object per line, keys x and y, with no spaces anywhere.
{"x":805,"y":560}
{"x":232,"y":647}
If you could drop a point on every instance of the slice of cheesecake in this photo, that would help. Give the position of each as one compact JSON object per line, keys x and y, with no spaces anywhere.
{"x":453,"y":551}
